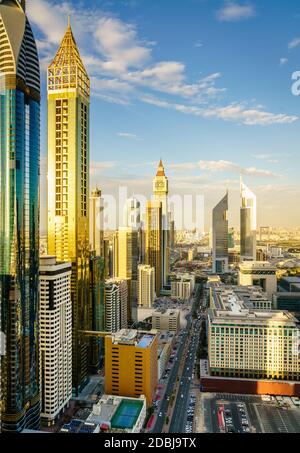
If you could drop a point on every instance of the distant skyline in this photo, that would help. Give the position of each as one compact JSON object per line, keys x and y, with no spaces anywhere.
{"x":204,"y":85}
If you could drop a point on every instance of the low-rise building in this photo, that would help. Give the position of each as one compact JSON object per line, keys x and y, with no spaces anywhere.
{"x":168,"y":320}
{"x":259,"y":273}
{"x":116,"y":414}
{"x":131,"y":363}
{"x":182,"y":286}
{"x":245,"y":342}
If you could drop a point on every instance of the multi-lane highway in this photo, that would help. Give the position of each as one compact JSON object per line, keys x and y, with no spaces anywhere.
{"x":172,"y":380}
{"x":179,"y":417}
{"x":187,"y":353}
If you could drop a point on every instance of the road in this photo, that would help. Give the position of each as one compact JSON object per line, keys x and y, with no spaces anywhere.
{"x":179,"y":418}
{"x":172,"y":380}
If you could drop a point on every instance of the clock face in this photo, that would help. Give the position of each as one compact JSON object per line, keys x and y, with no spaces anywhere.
{"x":160,"y":185}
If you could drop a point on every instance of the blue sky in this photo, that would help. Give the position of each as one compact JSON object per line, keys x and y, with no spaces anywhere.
{"x":203,"y":84}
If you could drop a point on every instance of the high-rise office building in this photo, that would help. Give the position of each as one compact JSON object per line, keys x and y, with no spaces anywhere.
{"x":220,"y":236}
{"x":131,"y":364}
{"x":161,"y":192}
{"x":116,"y":301}
{"x":55,"y":337}
{"x":154,"y":240}
{"x":97,"y":222}
{"x":19,"y":218}
{"x":146,"y":286}
{"x":126,"y":258}
{"x":248,"y":224}
{"x":68,"y":185}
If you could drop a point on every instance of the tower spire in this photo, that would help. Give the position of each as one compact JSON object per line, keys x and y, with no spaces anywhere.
{"x":161,"y":169}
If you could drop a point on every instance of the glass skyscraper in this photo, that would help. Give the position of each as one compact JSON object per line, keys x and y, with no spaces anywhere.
{"x":220,"y":236}
{"x":248,"y":224}
{"x":19,"y":218}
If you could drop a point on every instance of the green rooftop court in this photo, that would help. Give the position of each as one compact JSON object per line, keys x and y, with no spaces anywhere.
{"x":127,"y":414}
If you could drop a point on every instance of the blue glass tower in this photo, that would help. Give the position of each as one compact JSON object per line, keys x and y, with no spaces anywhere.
{"x":19,"y":218}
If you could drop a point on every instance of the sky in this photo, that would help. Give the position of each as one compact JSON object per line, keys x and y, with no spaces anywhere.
{"x":206,"y":85}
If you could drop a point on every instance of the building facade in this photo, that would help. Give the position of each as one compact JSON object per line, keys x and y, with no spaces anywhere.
{"x":252,"y":344}
{"x":116,"y":301}
{"x":55,"y":337}
{"x":68,"y":185}
{"x":248,"y":224}
{"x":168,"y":320}
{"x":182,"y":286}
{"x":19,"y":218}
{"x":220,"y":237}
{"x":131,"y":364}
{"x":146,"y":286}
{"x":259,"y":273}
{"x":154,"y":241}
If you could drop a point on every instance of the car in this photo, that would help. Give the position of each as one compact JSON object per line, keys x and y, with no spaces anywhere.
{"x":160,"y":414}
{"x":182,"y":395}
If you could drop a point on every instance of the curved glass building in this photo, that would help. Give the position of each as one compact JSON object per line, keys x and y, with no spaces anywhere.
{"x":19,"y":218}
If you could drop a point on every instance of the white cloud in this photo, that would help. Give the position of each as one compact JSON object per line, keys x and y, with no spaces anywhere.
{"x":121,"y":64}
{"x":234,"y":12}
{"x":294,"y":43}
{"x":129,"y":136}
{"x":198,"y":44}
{"x":232,"y":112}
{"x":224,"y":166}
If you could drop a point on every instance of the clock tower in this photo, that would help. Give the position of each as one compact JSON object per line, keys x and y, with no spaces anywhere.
{"x":161,"y":192}
{"x":161,"y":186}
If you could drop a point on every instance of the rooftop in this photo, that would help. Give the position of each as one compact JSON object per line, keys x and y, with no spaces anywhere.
{"x":137,"y":338}
{"x":126,"y":414}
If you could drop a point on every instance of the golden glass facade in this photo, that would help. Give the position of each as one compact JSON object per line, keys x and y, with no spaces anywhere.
{"x":68,"y":185}
{"x":154,"y":241}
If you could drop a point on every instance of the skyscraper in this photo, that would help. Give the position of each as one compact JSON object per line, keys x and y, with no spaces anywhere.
{"x":154,"y":241}
{"x":19,"y":218}
{"x":161,"y":192}
{"x":220,"y":236}
{"x":126,"y":257}
{"x":146,"y":286}
{"x":55,"y":337}
{"x":68,"y":185}
{"x":248,"y":224}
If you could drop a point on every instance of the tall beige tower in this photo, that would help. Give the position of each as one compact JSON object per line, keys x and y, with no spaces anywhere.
{"x":154,"y":241}
{"x":161,"y":192}
{"x":68,"y":185}
{"x":125,"y":259}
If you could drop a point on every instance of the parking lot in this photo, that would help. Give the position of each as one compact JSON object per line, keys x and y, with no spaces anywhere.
{"x":190,"y":414}
{"x":226,"y":413}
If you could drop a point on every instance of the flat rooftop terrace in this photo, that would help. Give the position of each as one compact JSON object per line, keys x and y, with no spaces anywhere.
{"x":126,"y":414}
